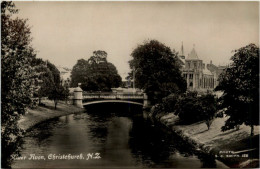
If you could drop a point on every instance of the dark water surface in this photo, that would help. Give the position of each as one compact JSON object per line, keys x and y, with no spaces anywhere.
{"x":121,"y":138}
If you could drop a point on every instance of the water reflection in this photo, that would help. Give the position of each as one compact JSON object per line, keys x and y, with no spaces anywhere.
{"x":123,"y":139}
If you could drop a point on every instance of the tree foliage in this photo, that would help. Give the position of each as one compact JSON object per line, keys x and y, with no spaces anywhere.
{"x":95,"y":74}
{"x":240,"y":84}
{"x":57,"y":93}
{"x":156,"y":70}
{"x":193,"y":108}
{"x":17,"y":82}
{"x":45,"y":78}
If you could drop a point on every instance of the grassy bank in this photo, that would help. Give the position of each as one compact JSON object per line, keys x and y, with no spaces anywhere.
{"x":227,"y":146}
{"x":43,"y":113}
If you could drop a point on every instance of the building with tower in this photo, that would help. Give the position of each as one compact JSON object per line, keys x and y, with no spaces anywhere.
{"x":199,"y":77}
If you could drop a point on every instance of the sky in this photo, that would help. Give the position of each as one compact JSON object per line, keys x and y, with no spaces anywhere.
{"x":64,"y":32}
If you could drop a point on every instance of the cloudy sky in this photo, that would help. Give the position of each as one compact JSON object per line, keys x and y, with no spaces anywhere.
{"x":64,"y":32}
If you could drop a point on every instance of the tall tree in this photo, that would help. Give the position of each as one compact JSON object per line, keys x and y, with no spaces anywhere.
{"x":45,"y":78}
{"x":17,"y":80}
{"x":96,"y":73}
{"x":57,"y":93}
{"x":240,"y":84}
{"x":48,"y":82}
{"x":156,"y":70}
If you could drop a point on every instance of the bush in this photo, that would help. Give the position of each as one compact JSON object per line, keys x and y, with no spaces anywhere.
{"x":188,"y":108}
{"x":191,"y":108}
{"x":157,"y":109}
{"x":169,"y":103}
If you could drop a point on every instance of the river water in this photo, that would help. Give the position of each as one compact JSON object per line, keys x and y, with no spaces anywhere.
{"x":107,"y":137}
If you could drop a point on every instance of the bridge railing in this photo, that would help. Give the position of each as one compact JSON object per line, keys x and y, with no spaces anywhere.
{"x":104,"y":95}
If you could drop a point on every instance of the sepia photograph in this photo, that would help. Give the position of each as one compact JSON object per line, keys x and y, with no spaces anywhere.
{"x":129,"y":84}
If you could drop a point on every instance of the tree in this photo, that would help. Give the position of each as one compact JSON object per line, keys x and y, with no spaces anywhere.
{"x":208,"y":108}
{"x":169,"y":102}
{"x":57,"y":93}
{"x":17,"y":82}
{"x":156,"y":70}
{"x":45,"y":78}
{"x":240,"y":84}
{"x":55,"y":73}
{"x":95,"y":74}
{"x":188,"y":108}
{"x":193,"y":108}
{"x":98,"y":56}
{"x":66,"y":92}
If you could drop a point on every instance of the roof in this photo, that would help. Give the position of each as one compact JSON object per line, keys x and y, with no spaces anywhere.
{"x":78,"y":89}
{"x":182,"y":59}
{"x":193,"y":55}
{"x":206,"y":72}
{"x":65,"y":76}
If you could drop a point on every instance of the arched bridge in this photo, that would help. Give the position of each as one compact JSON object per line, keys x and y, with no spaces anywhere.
{"x":112,"y":101}
{"x":111,"y":97}
{"x":82,"y":98}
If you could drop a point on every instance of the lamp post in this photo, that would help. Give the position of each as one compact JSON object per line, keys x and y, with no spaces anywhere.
{"x":134,"y":79}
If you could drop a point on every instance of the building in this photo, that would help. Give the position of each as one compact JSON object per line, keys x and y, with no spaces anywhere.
{"x":199,"y":77}
{"x":64,"y":75}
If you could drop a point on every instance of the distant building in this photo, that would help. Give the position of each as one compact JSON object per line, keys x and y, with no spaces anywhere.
{"x":199,"y":77}
{"x":65,"y":75}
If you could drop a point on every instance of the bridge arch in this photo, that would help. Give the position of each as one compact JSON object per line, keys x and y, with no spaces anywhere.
{"x":111,"y":101}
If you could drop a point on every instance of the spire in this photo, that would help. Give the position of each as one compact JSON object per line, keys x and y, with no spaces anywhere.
{"x":182,"y":49}
{"x":193,"y":54}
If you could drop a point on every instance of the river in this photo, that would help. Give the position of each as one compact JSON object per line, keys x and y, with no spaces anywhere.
{"x":106,"y":137}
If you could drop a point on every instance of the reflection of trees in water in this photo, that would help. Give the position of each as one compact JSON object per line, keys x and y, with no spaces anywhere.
{"x":44,"y":130}
{"x":37,"y":135}
{"x":148,"y":143}
{"x":101,"y":114}
{"x":97,"y":126}
{"x":156,"y":144}
{"x":101,"y":117}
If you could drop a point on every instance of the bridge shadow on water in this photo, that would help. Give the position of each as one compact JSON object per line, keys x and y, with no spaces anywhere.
{"x":117,"y":109}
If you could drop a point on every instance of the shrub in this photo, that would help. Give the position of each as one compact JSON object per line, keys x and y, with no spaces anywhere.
{"x":169,"y":103}
{"x":191,"y":108}
{"x":157,"y":109}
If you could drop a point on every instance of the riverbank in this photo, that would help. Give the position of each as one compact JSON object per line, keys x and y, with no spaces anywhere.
{"x":229,"y":146}
{"x":43,"y":113}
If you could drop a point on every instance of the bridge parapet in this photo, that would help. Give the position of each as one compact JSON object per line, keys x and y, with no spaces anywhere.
{"x":124,"y":96}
